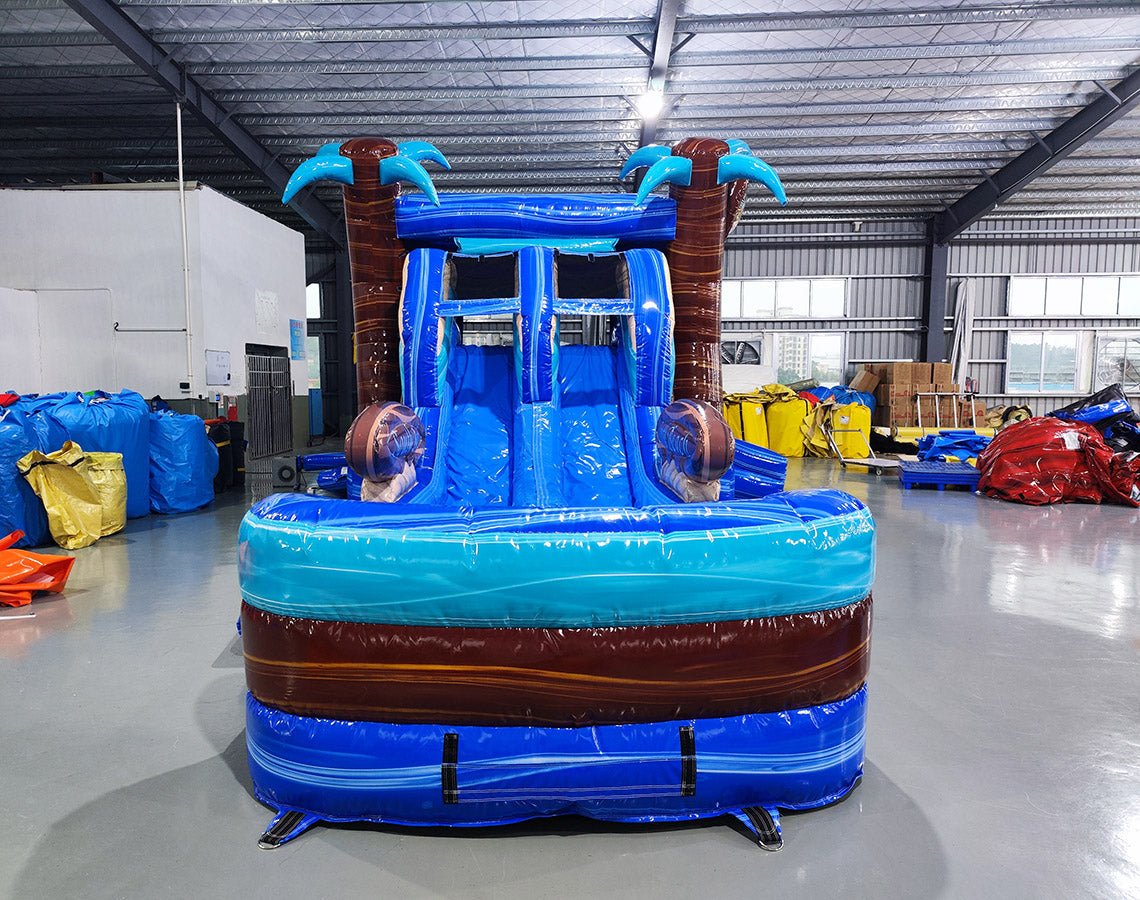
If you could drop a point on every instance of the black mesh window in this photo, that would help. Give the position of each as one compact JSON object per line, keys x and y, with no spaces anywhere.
{"x":591,"y":277}
{"x":484,"y":277}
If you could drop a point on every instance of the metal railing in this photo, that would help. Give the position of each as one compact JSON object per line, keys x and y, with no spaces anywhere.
{"x":937,"y":396}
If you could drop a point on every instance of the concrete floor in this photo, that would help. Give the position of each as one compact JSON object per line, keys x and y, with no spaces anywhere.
{"x":1003,"y":750}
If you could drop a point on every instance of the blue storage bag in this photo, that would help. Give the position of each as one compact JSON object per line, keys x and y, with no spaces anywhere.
{"x":40,"y":412}
{"x":183,"y":463}
{"x":20,"y":508}
{"x":113,"y":423}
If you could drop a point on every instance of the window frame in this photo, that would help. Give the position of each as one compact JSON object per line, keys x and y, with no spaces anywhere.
{"x":1014,"y":282}
{"x":320,"y":298}
{"x":812,"y":316}
{"x":1079,"y":362}
{"x":809,"y":334}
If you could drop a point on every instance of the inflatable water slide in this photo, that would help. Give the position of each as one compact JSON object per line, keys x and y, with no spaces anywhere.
{"x":565,"y":589}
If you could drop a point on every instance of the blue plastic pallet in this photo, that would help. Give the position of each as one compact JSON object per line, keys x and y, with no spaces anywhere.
{"x":928,"y":473}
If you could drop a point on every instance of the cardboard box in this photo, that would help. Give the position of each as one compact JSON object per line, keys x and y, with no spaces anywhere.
{"x":895,"y":392}
{"x":978,"y":407}
{"x":897,"y":373}
{"x":885,"y":372}
{"x":942,"y":374}
{"x":864,"y":380}
{"x":907,"y":373}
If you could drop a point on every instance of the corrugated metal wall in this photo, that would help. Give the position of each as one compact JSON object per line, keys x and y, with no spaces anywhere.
{"x":994,"y":249}
{"x":884,"y":262}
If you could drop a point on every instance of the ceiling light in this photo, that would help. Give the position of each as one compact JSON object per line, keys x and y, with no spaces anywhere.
{"x":650,"y":104}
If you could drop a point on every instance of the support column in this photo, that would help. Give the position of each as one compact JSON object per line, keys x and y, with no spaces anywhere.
{"x":934,"y":298}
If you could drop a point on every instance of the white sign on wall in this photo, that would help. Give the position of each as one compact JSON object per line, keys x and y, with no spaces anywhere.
{"x":267,"y":312}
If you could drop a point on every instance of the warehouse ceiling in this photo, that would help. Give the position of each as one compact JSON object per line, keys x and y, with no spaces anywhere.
{"x":866,"y":107}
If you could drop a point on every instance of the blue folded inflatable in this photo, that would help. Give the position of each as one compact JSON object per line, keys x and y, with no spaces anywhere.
{"x":844,"y":395}
{"x":962,"y":444}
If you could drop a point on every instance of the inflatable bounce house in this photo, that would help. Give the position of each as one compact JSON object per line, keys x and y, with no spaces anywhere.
{"x":567,"y":589}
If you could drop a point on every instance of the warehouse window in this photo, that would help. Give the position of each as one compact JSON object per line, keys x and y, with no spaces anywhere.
{"x":1042,"y":362}
{"x":1117,"y":359}
{"x":313,"y":355}
{"x":313,"y":301}
{"x":817,"y":355}
{"x":784,"y":298}
{"x":1073,"y":295}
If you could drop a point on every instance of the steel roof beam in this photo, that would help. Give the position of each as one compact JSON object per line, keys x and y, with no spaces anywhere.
{"x":1038,"y":158}
{"x":778,"y":21}
{"x":775,"y":21}
{"x":719,"y":24}
{"x":118,"y":28}
{"x":660,"y":52}
{"x":946,"y":81}
{"x":1009,"y":127}
{"x":882,"y":82}
{"x":216,"y":172}
{"x":686,"y":58}
{"x":771,"y":110}
{"x":895,"y":156}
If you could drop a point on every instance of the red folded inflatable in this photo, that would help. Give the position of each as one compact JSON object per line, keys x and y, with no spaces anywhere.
{"x":23,"y":573}
{"x":1047,"y":460}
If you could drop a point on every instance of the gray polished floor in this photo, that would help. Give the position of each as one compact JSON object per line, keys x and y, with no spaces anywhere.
{"x":1003,"y":757}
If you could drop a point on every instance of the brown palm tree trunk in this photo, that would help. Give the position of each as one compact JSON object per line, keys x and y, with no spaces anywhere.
{"x":376,"y":256}
{"x":696,"y":264}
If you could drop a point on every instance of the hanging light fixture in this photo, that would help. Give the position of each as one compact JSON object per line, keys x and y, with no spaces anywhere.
{"x":650,"y":104}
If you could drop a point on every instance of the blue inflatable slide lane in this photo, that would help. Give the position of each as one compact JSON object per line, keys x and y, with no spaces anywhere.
{"x":565,"y":590}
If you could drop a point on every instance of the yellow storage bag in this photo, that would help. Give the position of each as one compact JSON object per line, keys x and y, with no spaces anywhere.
{"x":850,"y":427}
{"x":731,"y":407}
{"x":787,"y":415}
{"x":851,"y":430}
{"x":110,"y":480}
{"x":747,"y":418}
{"x":60,"y":480}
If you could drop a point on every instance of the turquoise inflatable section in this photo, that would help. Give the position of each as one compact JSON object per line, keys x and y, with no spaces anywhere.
{"x":563,"y":568}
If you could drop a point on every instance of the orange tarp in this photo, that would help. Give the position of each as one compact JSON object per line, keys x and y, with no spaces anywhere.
{"x":23,"y":573}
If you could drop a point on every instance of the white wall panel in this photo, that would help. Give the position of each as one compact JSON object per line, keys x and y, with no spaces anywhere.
{"x":243,"y":253}
{"x":19,"y":340}
{"x":125,"y":246}
{"x":75,"y":329}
